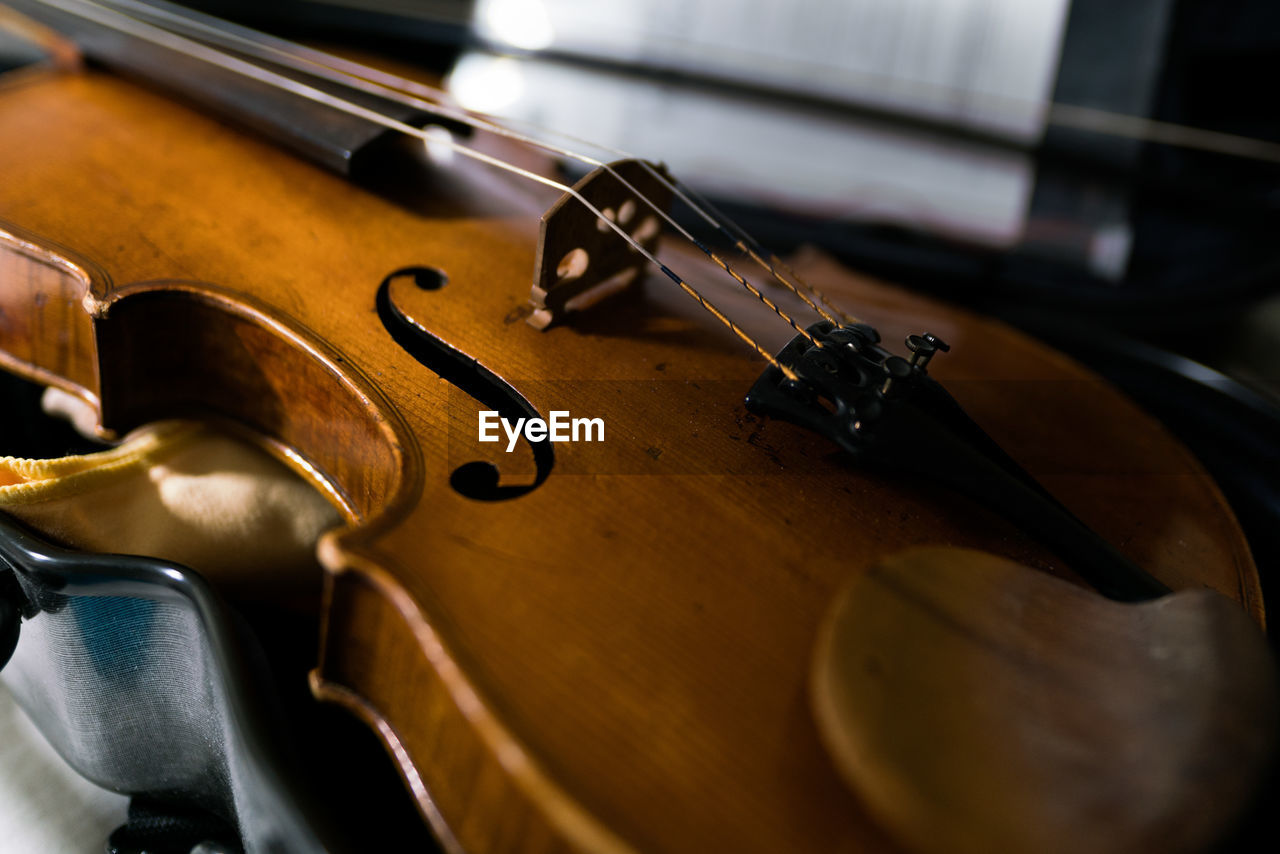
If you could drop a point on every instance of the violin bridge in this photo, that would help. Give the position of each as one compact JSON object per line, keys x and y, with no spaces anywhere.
{"x":581,"y":259}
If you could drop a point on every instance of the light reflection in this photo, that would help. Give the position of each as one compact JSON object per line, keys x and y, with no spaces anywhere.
{"x":439,"y":144}
{"x":522,"y":24}
{"x":486,"y":84}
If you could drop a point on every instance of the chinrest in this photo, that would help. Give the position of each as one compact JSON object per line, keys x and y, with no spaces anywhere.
{"x":977,"y":705}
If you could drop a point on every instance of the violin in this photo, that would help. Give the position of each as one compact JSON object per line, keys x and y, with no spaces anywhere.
{"x":600,"y":492}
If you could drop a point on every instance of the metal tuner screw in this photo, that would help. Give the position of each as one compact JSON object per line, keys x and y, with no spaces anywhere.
{"x":924,"y":347}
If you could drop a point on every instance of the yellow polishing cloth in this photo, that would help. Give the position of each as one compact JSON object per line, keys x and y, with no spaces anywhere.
{"x":182,"y":492}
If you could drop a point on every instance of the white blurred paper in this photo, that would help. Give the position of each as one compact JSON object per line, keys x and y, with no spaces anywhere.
{"x":824,"y":164}
{"x":985,"y":65}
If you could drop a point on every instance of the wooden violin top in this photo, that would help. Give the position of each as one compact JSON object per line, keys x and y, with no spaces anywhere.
{"x":616,"y":658}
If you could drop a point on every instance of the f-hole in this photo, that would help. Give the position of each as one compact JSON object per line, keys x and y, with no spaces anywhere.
{"x":477,"y":479}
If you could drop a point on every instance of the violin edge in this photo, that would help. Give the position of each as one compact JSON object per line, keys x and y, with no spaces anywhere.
{"x":463,"y":765}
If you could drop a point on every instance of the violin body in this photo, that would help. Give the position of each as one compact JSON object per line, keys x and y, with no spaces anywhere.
{"x":608,"y":650}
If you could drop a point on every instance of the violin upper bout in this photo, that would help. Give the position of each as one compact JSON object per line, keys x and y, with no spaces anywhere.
{"x":148,"y":351}
{"x":581,"y":258}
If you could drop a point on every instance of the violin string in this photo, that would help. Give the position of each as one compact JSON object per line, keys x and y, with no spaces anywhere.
{"x":121,"y":22}
{"x":1166,"y":133}
{"x":392,"y":87}
{"x":748,"y":245}
{"x":1090,"y":119}
{"x":1055,"y":113}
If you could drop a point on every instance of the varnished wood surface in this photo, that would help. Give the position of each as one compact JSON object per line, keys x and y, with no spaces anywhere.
{"x":976,"y":705}
{"x":616,"y":660}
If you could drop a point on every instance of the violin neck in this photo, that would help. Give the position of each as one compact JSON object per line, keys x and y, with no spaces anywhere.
{"x":327,"y":136}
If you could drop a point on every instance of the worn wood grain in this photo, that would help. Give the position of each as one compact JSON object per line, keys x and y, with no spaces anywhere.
{"x":977,"y":705}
